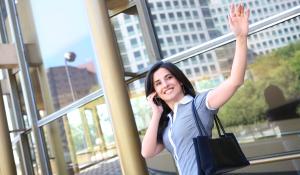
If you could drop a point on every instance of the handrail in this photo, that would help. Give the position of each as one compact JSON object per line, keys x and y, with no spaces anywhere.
{"x":207,"y":46}
{"x":63,"y":111}
{"x":282,"y":157}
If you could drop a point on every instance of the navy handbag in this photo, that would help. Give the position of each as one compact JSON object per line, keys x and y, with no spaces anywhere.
{"x":216,"y":155}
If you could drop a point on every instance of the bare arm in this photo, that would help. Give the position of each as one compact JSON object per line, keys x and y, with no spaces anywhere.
{"x":238,"y":21}
{"x":150,"y":146}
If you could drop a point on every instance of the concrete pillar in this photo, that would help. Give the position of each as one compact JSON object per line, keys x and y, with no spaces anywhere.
{"x":7,"y":165}
{"x":115,"y":91}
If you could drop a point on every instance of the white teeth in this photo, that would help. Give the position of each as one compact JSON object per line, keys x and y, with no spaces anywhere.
{"x":168,"y":91}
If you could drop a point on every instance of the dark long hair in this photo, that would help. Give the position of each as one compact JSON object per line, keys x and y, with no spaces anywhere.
{"x":149,"y":88}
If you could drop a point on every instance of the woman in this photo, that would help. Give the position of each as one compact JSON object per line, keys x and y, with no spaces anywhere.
{"x":170,"y":95}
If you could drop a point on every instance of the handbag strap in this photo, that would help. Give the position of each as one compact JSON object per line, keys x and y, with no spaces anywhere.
{"x":200,"y":126}
{"x":219,"y":125}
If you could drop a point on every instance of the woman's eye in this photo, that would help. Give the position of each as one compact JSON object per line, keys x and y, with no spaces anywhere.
{"x":156,"y":84}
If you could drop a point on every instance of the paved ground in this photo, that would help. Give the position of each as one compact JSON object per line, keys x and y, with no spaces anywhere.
{"x":107,"y":167}
{"x":111,"y":167}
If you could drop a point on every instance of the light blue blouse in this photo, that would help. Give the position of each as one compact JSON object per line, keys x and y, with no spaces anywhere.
{"x":181,"y":129}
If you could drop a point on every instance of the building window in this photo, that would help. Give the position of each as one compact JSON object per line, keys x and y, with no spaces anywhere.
{"x":213,"y":68}
{"x":202,"y":37}
{"x":187,"y":14}
{"x":173,"y":51}
{"x":166,"y":28}
{"x":188,"y":71}
{"x":183,"y":2}
{"x":167,"y":4}
{"x":174,"y":27}
{"x":191,"y":26}
{"x":165,"y":54}
{"x":130,"y":29}
{"x":133,"y":42}
{"x":194,"y":37}
{"x":195,"y":14}
{"x":203,"y":2}
{"x":151,"y":6}
{"x":186,"y":38}
{"x":170,"y":40}
{"x":175,"y":3}
{"x":140,"y":66}
{"x":206,"y":12}
{"x":137,"y":54}
{"x":178,"y":39}
{"x":201,"y":59}
{"x":205,"y":69}
{"x":179,"y":15}
{"x":154,"y":17}
{"x":186,"y":62}
{"x":157,"y":29}
{"x":183,"y":27}
{"x":162,"y":16}
{"x":199,"y":26}
{"x":209,"y":23}
{"x":171,"y":16}
{"x":194,"y":60}
{"x":159,"y":5}
{"x":197,"y":70}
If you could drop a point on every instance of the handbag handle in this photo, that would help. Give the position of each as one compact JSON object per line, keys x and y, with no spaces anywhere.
{"x":198,"y":122}
{"x":200,"y":126}
{"x":219,"y":125}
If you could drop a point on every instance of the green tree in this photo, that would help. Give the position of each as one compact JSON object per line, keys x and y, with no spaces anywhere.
{"x":280,"y":68}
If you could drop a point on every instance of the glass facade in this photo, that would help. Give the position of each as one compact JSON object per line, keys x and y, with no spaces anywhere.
{"x":74,"y":132}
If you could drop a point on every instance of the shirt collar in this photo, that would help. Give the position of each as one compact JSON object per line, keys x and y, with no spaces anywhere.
{"x":186,"y":99}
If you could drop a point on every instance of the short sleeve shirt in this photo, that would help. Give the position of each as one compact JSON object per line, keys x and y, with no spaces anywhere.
{"x":179,"y":133}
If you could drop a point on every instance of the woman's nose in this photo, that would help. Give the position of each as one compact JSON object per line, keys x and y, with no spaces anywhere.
{"x":164,"y":83}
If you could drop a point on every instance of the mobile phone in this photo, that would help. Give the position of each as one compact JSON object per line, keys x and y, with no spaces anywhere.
{"x":157,"y":100}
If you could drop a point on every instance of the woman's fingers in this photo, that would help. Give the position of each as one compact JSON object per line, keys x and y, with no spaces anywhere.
{"x":238,"y":10}
{"x":231,"y":14}
{"x":241,"y":10}
{"x":247,"y":13}
{"x":151,"y":96}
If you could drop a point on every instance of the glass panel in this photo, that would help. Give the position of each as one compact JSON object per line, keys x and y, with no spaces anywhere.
{"x":130,"y":40}
{"x":81,"y":139}
{"x":203,"y":20}
{"x":60,"y":51}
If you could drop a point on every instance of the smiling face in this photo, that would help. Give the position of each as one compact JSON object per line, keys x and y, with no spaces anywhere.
{"x":167,"y":87}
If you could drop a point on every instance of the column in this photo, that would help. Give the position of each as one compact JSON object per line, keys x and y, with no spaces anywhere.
{"x":7,"y":165}
{"x":99,"y":129}
{"x":86,"y":131}
{"x":115,"y":91}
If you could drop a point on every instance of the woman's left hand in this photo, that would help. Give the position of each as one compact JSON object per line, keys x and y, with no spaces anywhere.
{"x":238,"y":20}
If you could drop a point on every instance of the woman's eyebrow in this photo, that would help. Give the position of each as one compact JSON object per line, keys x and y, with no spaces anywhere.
{"x":156,"y":81}
{"x":164,"y":77}
{"x":168,"y":74}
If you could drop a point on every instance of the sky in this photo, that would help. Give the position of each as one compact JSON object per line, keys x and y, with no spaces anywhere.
{"x":62,"y":26}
